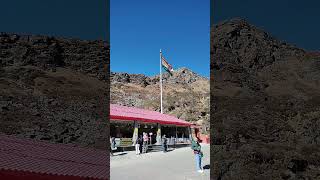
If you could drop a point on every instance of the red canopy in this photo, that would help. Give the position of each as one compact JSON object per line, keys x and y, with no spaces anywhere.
{"x":33,"y":159}
{"x":118,"y":112}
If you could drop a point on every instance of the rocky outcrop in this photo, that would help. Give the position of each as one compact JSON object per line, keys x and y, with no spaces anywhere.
{"x":179,"y":76}
{"x":53,"y":89}
{"x":50,"y":52}
{"x":265,"y":106}
{"x":131,"y":78}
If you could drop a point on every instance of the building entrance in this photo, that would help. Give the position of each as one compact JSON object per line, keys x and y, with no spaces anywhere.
{"x":149,"y":128}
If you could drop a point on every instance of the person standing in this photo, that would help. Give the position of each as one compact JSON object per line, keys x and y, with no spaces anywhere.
{"x":164,"y":143}
{"x":145,"y":142}
{"x":137,"y":145}
{"x":141,"y":141}
{"x":111,"y":152}
{"x":196,"y":147}
{"x":112,"y":145}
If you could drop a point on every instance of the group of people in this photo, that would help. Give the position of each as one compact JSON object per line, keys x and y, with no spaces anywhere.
{"x":141,"y":145}
{"x":142,"y":141}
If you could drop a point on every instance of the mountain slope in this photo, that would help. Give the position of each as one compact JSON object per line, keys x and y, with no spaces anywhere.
{"x":51,"y":89}
{"x":185,"y":94}
{"x":265,"y":105}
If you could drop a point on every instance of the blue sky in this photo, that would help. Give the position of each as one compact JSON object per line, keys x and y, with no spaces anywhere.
{"x":83,"y":19}
{"x":138,"y":29}
{"x":294,"y":21}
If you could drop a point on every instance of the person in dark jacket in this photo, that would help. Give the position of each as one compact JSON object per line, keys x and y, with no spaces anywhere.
{"x":164,"y":143}
{"x":140,"y":143}
{"x":112,"y":145}
{"x":196,"y":147}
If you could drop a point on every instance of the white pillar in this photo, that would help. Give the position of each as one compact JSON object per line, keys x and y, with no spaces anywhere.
{"x":135,"y":132}
{"x":158,"y":134}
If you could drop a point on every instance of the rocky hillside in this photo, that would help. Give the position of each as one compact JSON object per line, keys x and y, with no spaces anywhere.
{"x":185,"y":94}
{"x":52,"y":89}
{"x":265,"y":106}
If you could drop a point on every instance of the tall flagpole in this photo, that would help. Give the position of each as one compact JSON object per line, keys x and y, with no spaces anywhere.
{"x":161,"y":81}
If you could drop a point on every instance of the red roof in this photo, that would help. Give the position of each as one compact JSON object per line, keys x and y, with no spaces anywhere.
{"x":118,"y":112}
{"x":195,"y":126}
{"x":52,"y":159}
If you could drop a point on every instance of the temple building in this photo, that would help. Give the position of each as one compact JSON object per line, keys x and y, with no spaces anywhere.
{"x":130,"y":122}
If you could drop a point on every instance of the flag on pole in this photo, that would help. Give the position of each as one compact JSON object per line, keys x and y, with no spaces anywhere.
{"x":166,"y":65}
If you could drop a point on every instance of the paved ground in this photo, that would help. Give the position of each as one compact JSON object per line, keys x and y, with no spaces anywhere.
{"x":178,"y":164}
